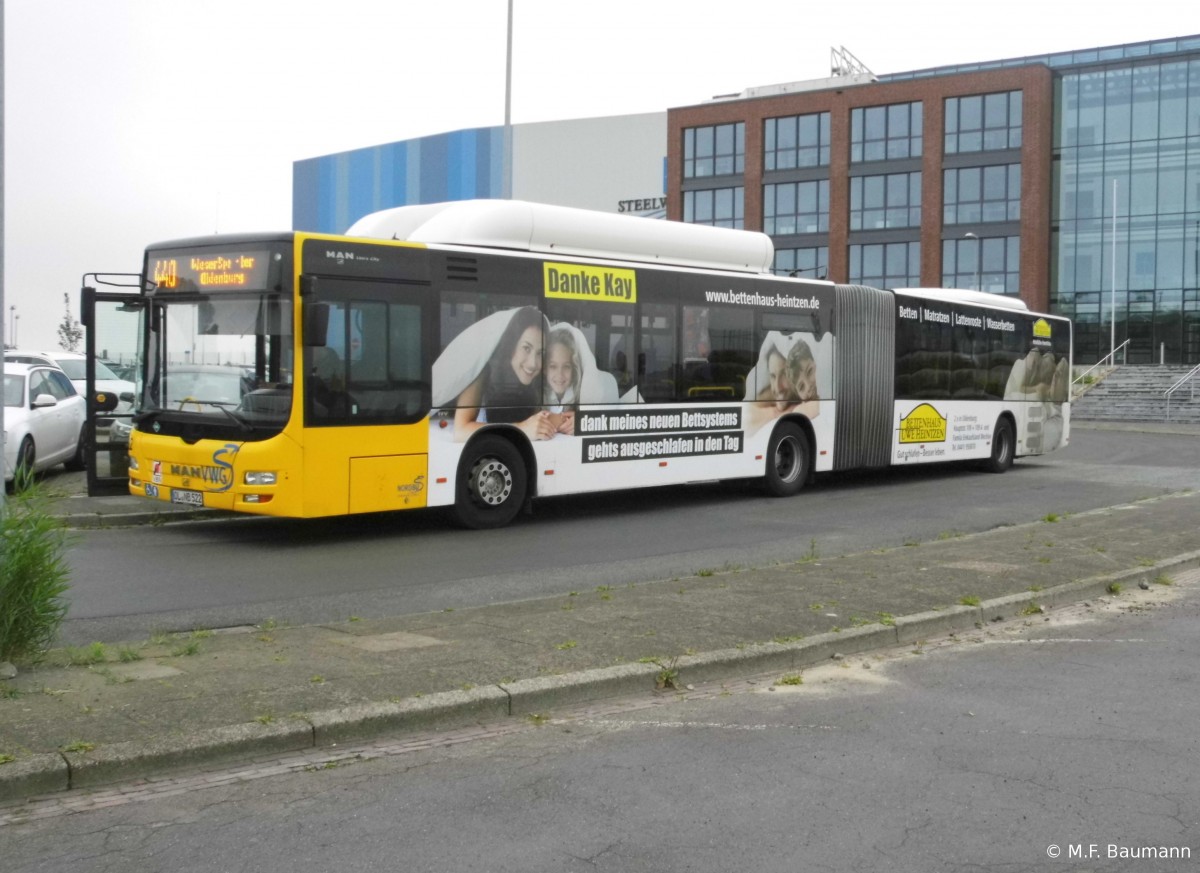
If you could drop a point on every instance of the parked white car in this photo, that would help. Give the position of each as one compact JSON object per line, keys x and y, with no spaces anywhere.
{"x":44,"y":418}
{"x":75,"y":366}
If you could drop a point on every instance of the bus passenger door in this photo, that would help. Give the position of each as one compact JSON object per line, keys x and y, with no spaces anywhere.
{"x":366,"y":394}
{"x":111,"y":317}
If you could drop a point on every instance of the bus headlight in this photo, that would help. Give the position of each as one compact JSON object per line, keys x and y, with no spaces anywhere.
{"x":259,"y":477}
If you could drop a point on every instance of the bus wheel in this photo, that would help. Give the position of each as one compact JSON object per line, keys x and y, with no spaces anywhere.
{"x":787,"y":461}
{"x":491,"y":484}
{"x":1003,"y":448}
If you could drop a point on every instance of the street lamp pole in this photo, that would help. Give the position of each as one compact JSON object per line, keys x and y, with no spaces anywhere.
{"x":978,"y":259}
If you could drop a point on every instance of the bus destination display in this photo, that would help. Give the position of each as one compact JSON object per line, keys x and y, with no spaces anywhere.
{"x":210,"y":271}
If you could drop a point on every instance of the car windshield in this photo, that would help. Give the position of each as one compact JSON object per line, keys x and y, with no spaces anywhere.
{"x":14,"y":389}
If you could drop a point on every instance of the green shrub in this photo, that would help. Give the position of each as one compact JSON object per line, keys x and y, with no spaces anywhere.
{"x":33,"y":575}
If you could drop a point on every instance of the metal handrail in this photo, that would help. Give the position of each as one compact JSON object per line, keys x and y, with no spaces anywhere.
{"x":1100,"y":363}
{"x":1191,"y":376}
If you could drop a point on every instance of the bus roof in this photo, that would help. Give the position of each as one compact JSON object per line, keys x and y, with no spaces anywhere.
{"x":960,"y":295}
{"x":568,"y":232}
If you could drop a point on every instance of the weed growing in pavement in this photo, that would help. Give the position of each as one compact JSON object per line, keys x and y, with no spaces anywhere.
{"x":86,"y":655}
{"x":79,"y":746}
{"x":537,"y":718}
{"x":1114,"y":588}
{"x":705,"y":572}
{"x":969,"y":600}
{"x":126,"y":654}
{"x":1163,"y":579}
{"x":1051,"y":517}
{"x":1032,"y":609}
{"x":790,"y":679}
{"x":265,"y":718}
{"x":6,"y":758}
{"x":568,"y":644}
{"x":191,"y":647}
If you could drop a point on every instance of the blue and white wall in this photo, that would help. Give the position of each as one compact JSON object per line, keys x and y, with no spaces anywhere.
{"x":614,"y":164}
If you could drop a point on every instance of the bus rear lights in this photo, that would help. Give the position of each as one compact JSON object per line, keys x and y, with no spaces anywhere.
{"x":547,"y":472}
{"x":259,"y":477}
{"x":662,"y":463}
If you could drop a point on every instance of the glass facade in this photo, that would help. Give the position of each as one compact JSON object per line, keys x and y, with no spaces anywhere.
{"x":719,"y":207}
{"x":719,"y":150}
{"x":984,"y":122}
{"x":811,"y":263}
{"x":796,"y":207}
{"x":886,"y":265}
{"x":1126,"y":215}
{"x":882,"y":133}
{"x":796,"y":141}
{"x":893,"y":200}
{"x":990,"y":264}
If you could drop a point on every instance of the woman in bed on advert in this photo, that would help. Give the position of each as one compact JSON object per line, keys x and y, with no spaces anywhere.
{"x":787,"y":371}
{"x":491,"y":373}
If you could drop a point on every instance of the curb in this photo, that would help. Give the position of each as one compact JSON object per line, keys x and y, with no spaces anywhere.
{"x":48,"y":773}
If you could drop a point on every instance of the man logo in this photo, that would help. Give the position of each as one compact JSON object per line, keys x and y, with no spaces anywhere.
{"x":340,"y":257}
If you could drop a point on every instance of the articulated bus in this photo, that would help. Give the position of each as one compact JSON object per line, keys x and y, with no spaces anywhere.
{"x":479,"y":354}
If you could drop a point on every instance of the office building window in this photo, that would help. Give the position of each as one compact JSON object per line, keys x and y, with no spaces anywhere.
{"x":809,"y":263}
{"x":719,"y":150}
{"x":796,"y":207}
{"x":984,"y":122}
{"x":999,"y":271}
{"x":974,"y":194}
{"x":893,"y":200}
{"x":796,"y":141}
{"x":720,"y":207}
{"x":880,"y":133}
{"x":886,"y":265}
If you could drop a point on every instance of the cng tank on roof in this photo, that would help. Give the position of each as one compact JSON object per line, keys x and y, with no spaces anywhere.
{"x":567,"y":232}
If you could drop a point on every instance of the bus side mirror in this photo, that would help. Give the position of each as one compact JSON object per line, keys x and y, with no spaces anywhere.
{"x":104,"y":401}
{"x":316,"y":323}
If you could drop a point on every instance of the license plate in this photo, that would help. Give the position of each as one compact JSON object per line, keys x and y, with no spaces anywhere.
{"x":188,"y":498}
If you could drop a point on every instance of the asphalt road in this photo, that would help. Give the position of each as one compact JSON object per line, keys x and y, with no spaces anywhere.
{"x":130,"y":583}
{"x":1063,"y":742}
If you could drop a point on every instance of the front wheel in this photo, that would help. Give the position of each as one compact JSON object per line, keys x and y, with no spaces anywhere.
{"x":788,"y":460}
{"x":1003,"y":448}
{"x":78,"y":461}
{"x":491,"y":484}
{"x":23,"y":470}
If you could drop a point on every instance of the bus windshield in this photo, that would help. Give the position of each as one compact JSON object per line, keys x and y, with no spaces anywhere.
{"x":220,"y":365}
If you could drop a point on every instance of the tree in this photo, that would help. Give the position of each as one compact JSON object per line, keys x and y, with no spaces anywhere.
{"x":69,"y":332}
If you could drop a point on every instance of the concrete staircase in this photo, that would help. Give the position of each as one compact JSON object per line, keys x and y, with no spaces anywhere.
{"x":1135,"y":393}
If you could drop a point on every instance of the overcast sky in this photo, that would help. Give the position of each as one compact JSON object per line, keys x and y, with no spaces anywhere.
{"x":130,"y":121}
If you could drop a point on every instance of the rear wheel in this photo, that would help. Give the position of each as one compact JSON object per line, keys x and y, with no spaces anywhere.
{"x":491,"y":484}
{"x":788,"y":460}
{"x":1004,"y":446}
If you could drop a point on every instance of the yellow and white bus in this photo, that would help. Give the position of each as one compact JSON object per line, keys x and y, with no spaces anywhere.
{"x":480,"y":354}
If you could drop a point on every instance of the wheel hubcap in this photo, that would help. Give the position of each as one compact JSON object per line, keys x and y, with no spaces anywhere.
{"x":787,"y":459}
{"x":493,"y":481}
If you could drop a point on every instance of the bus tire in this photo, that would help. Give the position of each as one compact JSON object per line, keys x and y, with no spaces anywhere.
{"x":491,"y":484}
{"x":1003,"y":448}
{"x":788,"y":461}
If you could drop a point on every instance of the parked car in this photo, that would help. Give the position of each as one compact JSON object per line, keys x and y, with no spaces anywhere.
{"x":192,"y":386}
{"x":75,"y":366}
{"x":44,"y":418}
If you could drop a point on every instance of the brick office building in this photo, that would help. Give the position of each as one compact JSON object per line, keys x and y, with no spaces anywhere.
{"x":994,"y":175}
